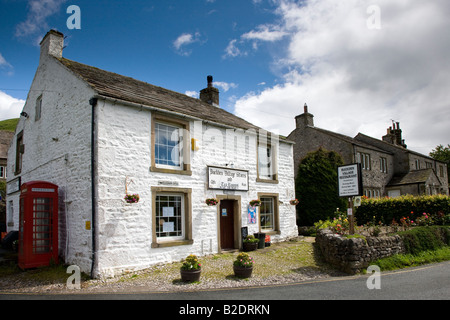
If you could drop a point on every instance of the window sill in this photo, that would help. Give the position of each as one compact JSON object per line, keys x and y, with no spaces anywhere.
{"x":271,"y":232}
{"x":172,"y":243}
{"x":171,"y":171}
{"x":267,"y":180}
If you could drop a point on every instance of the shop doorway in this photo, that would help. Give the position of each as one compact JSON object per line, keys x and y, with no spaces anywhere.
{"x":227,"y":224}
{"x":229,"y":220}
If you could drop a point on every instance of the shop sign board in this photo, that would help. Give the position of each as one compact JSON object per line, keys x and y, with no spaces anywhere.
{"x":227,"y":179}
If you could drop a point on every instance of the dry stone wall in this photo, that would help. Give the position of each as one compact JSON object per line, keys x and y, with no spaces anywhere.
{"x":354,"y":254}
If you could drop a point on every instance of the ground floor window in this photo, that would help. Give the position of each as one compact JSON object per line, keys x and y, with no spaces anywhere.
{"x":171,"y":217}
{"x":269,"y":213}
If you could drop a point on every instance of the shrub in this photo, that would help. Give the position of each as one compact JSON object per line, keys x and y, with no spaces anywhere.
{"x":387,"y":210}
{"x":425,"y":238}
{"x":316,"y":185}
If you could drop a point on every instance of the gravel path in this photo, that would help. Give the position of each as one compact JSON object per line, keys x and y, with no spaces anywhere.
{"x":281,"y":263}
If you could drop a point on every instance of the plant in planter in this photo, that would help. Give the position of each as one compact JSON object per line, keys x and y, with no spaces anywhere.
{"x":243,"y":265}
{"x":211,"y":202}
{"x":191,"y":269}
{"x":294,"y":202}
{"x":250,"y":243}
{"x":255,"y":203}
{"x":131,"y":198}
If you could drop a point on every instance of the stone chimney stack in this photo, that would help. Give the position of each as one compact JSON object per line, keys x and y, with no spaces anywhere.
{"x":394,"y":135}
{"x":305,"y":119}
{"x":210,"y":94}
{"x":52,"y":44}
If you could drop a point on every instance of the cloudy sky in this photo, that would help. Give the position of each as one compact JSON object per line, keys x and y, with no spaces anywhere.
{"x":358,"y":64}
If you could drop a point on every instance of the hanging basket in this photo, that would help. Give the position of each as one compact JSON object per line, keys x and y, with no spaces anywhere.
{"x":255,"y":203}
{"x":212,"y":202}
{"x":131,"y":198}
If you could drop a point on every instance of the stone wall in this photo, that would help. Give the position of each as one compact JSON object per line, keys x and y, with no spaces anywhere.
{"x":353,"y":255}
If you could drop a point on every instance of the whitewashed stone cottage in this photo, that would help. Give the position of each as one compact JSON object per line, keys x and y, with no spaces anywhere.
{"x":99,"y":136}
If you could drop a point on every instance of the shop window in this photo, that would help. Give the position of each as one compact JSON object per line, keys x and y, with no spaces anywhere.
{"x":171,"y":216}
{"x":269,"y":213}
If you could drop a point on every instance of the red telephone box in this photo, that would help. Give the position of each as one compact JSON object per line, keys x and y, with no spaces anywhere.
{"x":38,"y":230}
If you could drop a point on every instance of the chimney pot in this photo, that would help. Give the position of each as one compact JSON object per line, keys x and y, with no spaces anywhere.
{"x":306,"y":108}
{"x":210,"y":81}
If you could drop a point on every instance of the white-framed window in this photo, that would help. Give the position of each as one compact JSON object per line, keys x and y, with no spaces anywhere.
{"x":364,"y":159}
{"x":383,"y":165}
{"x":170,"y":216}
{"x":2,"y":172}
{"x":265,"y":162}
{"x":168,"y":146}
{"x":267,"y":214}
{"x":417,"y":164}
{"x":170,"y":143}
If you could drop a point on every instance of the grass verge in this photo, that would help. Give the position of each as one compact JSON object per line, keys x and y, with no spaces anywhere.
{"x":402,"y":261}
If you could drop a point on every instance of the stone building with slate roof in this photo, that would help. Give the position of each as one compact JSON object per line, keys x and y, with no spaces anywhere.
{"x":101,"y":136}
{"x":388,"y":167}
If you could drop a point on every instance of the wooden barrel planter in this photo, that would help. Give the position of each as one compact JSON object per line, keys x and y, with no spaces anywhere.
{"x":190,"y":275}
{"x":250,"y":246}
{"x":242,"y":272}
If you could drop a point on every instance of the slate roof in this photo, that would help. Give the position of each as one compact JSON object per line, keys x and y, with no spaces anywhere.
{"x":350,"y":140}
{"x":412,"y":177}
{"x":112,"y":85}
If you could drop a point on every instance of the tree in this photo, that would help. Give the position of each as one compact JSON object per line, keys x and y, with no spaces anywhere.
{"x":442,"y":153}
{"x":316,"y":187}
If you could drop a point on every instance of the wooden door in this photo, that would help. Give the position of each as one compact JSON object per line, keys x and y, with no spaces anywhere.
{"x":227,"y":224}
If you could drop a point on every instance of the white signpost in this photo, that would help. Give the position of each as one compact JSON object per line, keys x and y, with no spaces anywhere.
{"x":350,"y":185}
{"x":350,"y":182}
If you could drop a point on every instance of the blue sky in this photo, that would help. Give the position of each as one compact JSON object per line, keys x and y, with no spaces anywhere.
{"x":359,"y":64}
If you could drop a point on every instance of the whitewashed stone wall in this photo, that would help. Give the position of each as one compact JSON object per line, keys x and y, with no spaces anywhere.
{"x":124,"y":152}
{"x":57,"y":150}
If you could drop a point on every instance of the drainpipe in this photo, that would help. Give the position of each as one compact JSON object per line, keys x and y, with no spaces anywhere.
{"x":93,"y":103}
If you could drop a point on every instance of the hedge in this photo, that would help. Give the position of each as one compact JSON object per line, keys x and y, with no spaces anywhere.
{"x":388,"y":209}
{"x":421,"y":239}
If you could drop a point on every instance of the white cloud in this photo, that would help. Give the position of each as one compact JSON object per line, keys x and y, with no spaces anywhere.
{"x":193,"y":94}
{"x":265,"y":33}
{"x":225,"y":86}
{"x":356,"y":79}
{"x":184,"y":40}
{"x":39,"y":12}
{"x":232,"y":50}
{"x":4,"y":63}
{"x":5,"y":66}
{"x":10,"y":107}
